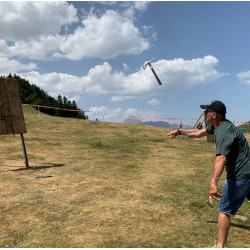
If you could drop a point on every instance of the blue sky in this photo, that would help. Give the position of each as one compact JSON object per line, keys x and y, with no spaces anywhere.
{"x":92,"y":52}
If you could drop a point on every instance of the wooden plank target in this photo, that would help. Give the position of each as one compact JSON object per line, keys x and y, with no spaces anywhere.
{"x":11,"y":112}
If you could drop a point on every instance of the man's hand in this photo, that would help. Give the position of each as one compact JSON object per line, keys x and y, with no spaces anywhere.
{"x":173,"y":134}
{"x":213,"y":194}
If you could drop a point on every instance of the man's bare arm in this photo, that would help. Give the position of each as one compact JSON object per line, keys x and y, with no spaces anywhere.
{"x":219,"y":166}
{"x":192,"y":133}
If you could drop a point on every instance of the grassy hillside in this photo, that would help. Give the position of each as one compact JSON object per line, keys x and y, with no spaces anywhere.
{"x":111,"y":185}
{"x":245,"y":128}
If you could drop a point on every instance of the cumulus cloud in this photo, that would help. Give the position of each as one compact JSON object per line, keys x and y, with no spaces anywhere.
{"x":106,"y":37}
{"x":123,"y":98}
{"x":132,"y":7}
{"x":149,"y":30}
{"x":41,"y":49}
{"x":177,"y":74}
{"x":142,"y":114}
{"x":154,"y":102}
{"x":244,"y":77}
{"x":12,"y":66}
{"x":125,"y":67}
{"x":111,"y":114}
{"x":32,"y":30}
{"x":56,"y":83}
{"x":104,"y":112}
{"x":29,"y":20}
{"x":186,"y":74}
{"x":141,"y":5}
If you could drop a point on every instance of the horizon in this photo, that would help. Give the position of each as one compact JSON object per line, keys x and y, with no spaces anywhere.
{"x":92,"y":52}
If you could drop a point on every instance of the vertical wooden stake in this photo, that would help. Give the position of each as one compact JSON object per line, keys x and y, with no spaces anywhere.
{"x":24,"y":152}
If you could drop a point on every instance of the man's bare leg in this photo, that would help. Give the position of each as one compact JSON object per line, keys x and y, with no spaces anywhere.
{"x":223,"y":227}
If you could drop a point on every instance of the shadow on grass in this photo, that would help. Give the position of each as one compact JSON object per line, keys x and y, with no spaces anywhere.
{"x":48,"y":165}
{"x":234,"y":225}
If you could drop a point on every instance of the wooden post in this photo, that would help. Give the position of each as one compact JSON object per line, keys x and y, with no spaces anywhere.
{"x":24,"y":151}
{"x":11,"y":112}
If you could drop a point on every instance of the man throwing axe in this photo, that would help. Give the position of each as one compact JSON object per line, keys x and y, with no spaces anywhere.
{"x":232,"y":152}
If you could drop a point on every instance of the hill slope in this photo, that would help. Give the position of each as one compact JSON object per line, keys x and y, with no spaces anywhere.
{"x":111,"y":185}
{"x":245,"y":128}
{"x":31,"y":94}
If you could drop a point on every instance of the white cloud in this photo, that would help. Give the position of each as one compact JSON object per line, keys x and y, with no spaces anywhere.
{"x":110,"y":114}
{"x":177,"y":74}
{"x":186,"y":74}
{"x":56,"y":83}
{"x":141,"y":5}
{"x":103,"y":113}
{"x":123,"y":98}
{"x":12,"y":66}
{"x":34,"y":49}
{"x":149,"y":30}
{"x":29,"y":20}
{"x":106,"y":37}
{"x":244,"y":77}
{"x":133,"y":112}
{"x":154,"y":102}
{"x":75,"y":98}
{"x":31,"y":29}
{"x":132,"y":7}
{"x":125,"y":67}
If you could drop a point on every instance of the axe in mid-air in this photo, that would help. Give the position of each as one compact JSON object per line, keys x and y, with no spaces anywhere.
{"x":151,"y":67}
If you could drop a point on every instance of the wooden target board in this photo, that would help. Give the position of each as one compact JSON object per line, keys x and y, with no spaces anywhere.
{"x":11,"y":112}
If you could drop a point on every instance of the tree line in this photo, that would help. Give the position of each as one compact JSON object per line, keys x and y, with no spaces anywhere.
{"x":31,"y":94}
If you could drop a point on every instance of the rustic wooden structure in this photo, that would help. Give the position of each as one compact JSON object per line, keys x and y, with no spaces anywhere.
{"x":12,"y":119}
{"x":201,"y":120}
{"x":11,"y":112}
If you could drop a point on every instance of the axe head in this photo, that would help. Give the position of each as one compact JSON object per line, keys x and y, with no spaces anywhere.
{"x":147,"y":63}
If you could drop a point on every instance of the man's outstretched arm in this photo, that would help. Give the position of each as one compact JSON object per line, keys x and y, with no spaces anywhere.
{"x":192,"y":133}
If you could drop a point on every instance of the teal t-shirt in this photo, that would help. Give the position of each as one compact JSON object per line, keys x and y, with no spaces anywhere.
{"x":231,"y":142}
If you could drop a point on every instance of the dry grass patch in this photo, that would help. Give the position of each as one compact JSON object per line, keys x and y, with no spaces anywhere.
{"x":112,"y":185}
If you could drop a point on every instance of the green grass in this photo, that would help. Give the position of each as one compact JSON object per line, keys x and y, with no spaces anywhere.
{"x":112,"y":185}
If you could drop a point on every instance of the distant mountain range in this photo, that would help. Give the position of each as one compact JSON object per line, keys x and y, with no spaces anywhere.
{"x":159,"y":124}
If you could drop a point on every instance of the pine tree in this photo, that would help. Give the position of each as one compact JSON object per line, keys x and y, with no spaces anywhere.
{"x":31,"y":94}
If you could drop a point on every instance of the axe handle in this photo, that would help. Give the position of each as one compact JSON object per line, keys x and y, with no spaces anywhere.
{"x":156,"y":76}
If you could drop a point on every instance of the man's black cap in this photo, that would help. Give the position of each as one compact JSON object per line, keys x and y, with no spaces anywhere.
{"x":216,"y":106}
